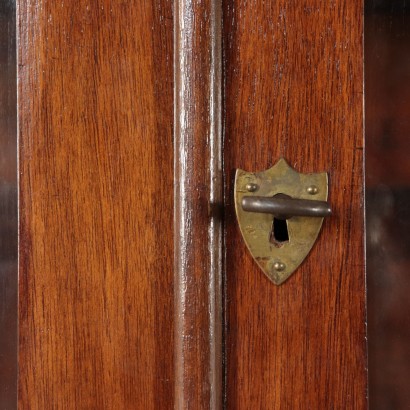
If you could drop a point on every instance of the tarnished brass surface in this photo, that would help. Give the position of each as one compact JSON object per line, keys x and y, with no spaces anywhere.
{"x":279,"y":260}
{"x":284,"y":207}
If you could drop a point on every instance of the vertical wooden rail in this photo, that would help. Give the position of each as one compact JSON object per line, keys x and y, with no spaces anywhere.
{"x":95,"y":109}
{"x":198,"y":197}
{"x":294,"y":89}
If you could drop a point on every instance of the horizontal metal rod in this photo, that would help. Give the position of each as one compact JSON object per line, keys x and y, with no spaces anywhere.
{"x":284,"y":207}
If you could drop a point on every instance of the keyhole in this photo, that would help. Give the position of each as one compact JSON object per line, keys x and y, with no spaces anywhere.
{"x":279,"y":233}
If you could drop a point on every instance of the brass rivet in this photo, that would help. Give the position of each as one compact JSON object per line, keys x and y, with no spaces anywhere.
{"x":312,"y":190}
{"x":279,"y":266}
{"x":252,"y":187}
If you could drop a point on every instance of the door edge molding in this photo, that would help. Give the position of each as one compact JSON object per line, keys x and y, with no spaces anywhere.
{"x":198,"y":199}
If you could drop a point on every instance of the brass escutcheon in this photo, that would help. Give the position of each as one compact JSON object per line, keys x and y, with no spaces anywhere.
{"x":280,"y":198}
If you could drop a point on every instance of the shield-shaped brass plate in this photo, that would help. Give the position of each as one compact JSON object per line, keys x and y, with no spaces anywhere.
{"x":279,"y":260}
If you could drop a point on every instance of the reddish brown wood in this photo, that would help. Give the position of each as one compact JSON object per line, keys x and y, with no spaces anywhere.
{"x":96,"y":307}
{"x":96,"y":206}
{"x":198,"y":201}
{"x":294,"y":88}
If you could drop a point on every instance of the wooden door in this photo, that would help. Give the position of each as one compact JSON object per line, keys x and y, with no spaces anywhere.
{"x":136,"y":289}
{"x":96,"y":205}
{"x":294,"y":89}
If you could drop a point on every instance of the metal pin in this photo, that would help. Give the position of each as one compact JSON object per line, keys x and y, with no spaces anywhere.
{"x":251,"y":187}
{"x":312,"y":190}
{"x":279,"y":266}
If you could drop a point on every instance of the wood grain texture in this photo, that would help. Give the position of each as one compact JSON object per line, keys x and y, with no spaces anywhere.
{"x":197,"y":202}
{"x":96,"y":206}
{"x":294,"y":88}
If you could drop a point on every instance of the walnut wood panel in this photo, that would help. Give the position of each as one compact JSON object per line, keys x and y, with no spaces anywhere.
{"x":294,"y":89}
{"x":198,"y":201}
{"x":96,"y":204}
